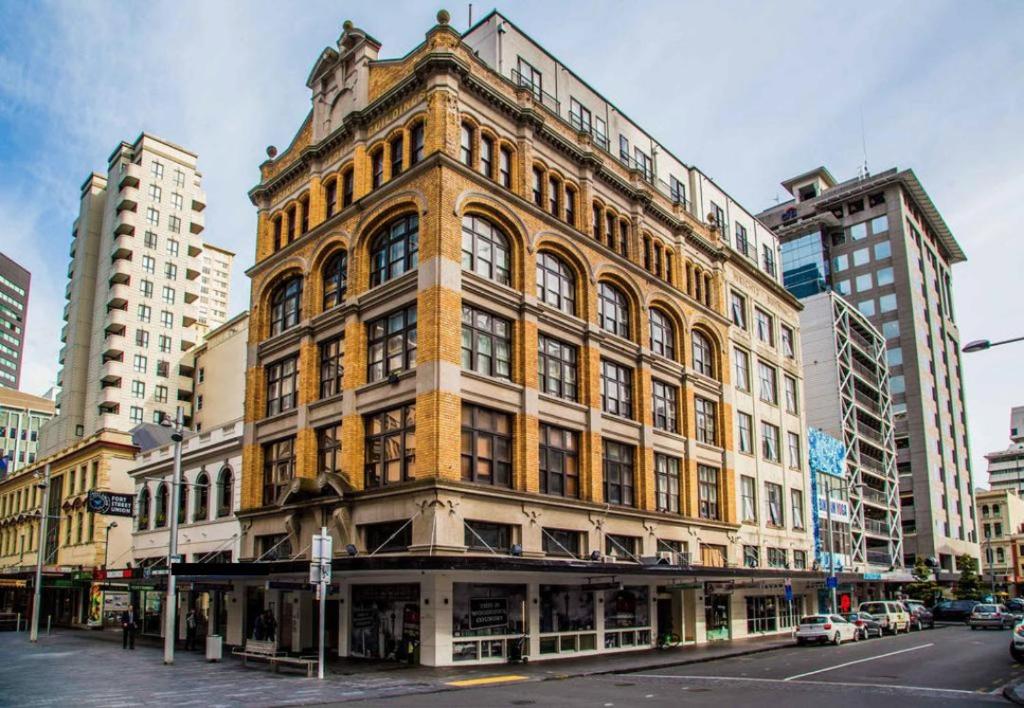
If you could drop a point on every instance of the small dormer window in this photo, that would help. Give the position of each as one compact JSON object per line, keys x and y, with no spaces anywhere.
{"x":809,"y":191}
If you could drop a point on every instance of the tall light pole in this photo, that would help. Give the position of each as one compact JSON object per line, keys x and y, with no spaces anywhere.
{"x":106,"y":542}
{"x":44,"y":517}
{"x":170,"y":614}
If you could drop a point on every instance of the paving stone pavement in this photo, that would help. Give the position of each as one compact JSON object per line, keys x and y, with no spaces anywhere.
{"x":72,"y":668}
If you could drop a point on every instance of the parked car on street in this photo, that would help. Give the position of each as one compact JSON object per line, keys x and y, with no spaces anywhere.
{"x":892,"y":615}
{"x":1016,"y":607}
{"x":867,"y":626}
{"x":990,"y":616}
{"x":953,"y":610}
{"x":1017,"y":642}
{"x":825,"y":628}
{"x":920,"y":616}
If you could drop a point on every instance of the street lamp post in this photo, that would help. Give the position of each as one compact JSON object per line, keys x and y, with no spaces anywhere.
{"x":170,"y":627}
{"x":44,"y":517}
{"x":106,"y":542}
{"x":979,"y":345}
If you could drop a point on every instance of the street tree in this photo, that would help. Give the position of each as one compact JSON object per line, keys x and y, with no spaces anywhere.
{"x":924,"y":587}
{"x":968,"y":587}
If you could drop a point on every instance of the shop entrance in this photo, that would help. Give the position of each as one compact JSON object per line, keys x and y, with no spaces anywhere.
{"x":385,"y":621}
{"x":716,"y":617}
{"x":667,"y":629}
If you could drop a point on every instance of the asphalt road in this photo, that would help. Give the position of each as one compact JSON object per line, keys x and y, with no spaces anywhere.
{"x":947,"y":666}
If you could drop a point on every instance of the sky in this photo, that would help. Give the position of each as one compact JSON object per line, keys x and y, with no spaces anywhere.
{"x":750,"y":92}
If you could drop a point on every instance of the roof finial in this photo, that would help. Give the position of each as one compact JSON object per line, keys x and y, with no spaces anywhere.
{"x":347,"y":25}
{"x":443,"y":17}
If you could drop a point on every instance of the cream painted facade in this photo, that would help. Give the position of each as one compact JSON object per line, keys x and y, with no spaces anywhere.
{"x":131,"y":314}
{"x":1000,"y":514}
{"x":22,"y":415}
{"x":219,"y":374}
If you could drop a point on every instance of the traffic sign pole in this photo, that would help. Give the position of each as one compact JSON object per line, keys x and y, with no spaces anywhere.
{"x":320,"y":570}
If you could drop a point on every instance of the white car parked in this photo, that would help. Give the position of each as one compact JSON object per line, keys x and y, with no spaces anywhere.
{"x":825,"y":628}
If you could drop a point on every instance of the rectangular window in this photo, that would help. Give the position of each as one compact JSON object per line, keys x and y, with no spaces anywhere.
{"x":570,"y":206}
{"x":666,"y":405}
{"x":769,"y":442}
{"x":397,"y":156}
{"x":618,"y":546}
{"x":748,"y":499}
{"x":174,"y":224}
{"x":416,"y":138}
{"x":777,"y":558}
{"x":390,"y":446}
{"x":332,"y":368}
{"x":707,"y":492}
{"x":796,"y":499}
{"x":160,"y":394}
{"x":769,"y":383}
{"x":486,"y":343}
{"x":773,"y":504}
{"x":155,"y":192}
{"x":157,"y":169}
{"x":559,"y":461}
{"x":328,"y":449}
{"x":530,"y":78}
{"x":561,"y":542}
{"x":618,"y":473}
{"x":150,"y":240}
{"x":487,"y":536}
{"x":486,"y":155}
{"x":389,"y":536}
{"x":789,"y":384}
{"x":146,"y":288}
{"x":170,"y":271}
{"x":742,"y":243}
{"x":623,"y":149}
{"x":278,"y":468}
{"x":505,"y":167}
{"x":152,"y":216}
{"x":643,"y":163}
{"x":793,"y":450}
{"x":706,"y":413}
{"x":537,"y":188}
{"x":768,"y":259}
{"x":466,"y":145}
{"x":168,"y":295}
{"x":138,"y":389}
{"x":282,"y":380}
{"x":554,"y":190}
{"x":172,"y":247}
{"x":579,"y":117}
{"x":163,"y":370}
{"x":741,"y":361}
{"x":141,"y":338}
{"x":557,"y":368}
{"x":166,"y":319}
{"x":616,"y":389}
{"x":135,"y":414}
{"x":666,"y":478}
{"x":786,"y":338}
{"x":149,"y":264}
{"x":765,"y":326}
{"x":140,"y":363}
{"x":738,"y":305}
{"x":486,"y":446}
{"x":745,"y":432}
{"x":347,"y":188}
{"x":377,"y":168}
{"x":392,"y":344}
{"x":164,"y":344}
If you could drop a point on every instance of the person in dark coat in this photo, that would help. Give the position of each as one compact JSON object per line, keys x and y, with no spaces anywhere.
{"x":269,"y":626}
{"x":259,"y":633}
{"x":191,"y":629}
{"x":129,"y":623}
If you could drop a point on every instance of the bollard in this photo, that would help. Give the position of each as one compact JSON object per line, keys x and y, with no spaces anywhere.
{"x":17,"y":623}
{"x":48,"y":619}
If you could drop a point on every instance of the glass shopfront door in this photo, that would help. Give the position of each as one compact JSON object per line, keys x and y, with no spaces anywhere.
{"x":716,"y":617}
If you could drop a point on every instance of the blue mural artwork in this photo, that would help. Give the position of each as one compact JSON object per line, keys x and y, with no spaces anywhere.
{"x":827,"y":456}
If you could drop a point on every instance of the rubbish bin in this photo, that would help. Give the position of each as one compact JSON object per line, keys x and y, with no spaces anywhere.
{"x":214,"y":647}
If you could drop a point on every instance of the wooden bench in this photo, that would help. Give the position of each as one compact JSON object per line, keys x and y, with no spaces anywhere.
{"x":266,"y":650}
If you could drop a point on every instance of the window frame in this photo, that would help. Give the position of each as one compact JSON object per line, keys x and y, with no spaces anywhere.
{"x":613,"y":310}
{"x":278,"y":468}
{"x":282,"y":385}
{"x":616,"y":379}
{"x":475,"y":434}
{"x":406,"y":333}
{"x":552,"y":448}
{"x":556,"y":353}
{"x":286,"y":305}
{"x":618,"y":473}
{"x":499,"y":360}
{"x":385,"y":265}
{"x":405,"y":460}
{"x":476,"y":240}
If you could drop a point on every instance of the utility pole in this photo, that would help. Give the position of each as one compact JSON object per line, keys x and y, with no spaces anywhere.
{"x":320,"y":575}
{"x":170,"y":610}
{"x":831,"y":547}
{"x":41,"y":547}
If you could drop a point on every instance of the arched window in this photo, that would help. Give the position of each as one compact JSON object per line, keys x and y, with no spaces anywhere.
{"x":183,"y":502}
{"x":663,"y":335}
{"x":335,"y":275}
{"x":162,"y":504}
{"x":556,"y":284}
{"x":202,"y":511}
{"x":613,"y":310}
{"x":394,"y":250}
{"x":466,"y":144}
{"x":485,"y":249}
{"x":286,"y":305}
{"x":702,"y":354}
{"x":144,"y":503}
{"x":225,"y":492}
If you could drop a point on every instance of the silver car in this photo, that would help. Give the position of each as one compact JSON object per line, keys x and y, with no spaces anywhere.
{"x":985,"y":616}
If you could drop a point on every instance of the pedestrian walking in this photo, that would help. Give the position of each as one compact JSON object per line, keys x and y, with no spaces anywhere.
{"x":269,"y":626}
{"x":191,"y":629}
{"x":259,"y":632}
{"x":128,"y":626}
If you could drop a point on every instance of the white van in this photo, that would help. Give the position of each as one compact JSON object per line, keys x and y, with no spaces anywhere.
{"x":892,"y":615}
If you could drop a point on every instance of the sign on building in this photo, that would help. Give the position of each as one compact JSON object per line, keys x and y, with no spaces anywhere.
{"x":111,"y":503}
{"x":485,"y":612}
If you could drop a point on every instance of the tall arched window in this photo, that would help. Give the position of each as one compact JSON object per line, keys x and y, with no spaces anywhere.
{"x":485,"y":249}
{"x":286,"y":305}
{"x":335,"y":275}
{"x":613,"y":310}
{"x":225,"y":492}
{"x":703,"y":360}
{"x":394,"y":250}
{"x":162,"y":504}
{"x":202,"y":510}
{"x":183,"y":502}
{"x":556,"y":284}
{"x":144,"y":504}
{"x":663,"y":335}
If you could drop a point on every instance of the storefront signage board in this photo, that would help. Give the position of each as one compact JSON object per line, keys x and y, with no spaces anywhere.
{"x":486,"y":612}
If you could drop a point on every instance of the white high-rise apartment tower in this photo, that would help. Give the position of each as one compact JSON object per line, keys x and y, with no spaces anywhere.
{"x":214,"y":286}
{"x":133,"y":286}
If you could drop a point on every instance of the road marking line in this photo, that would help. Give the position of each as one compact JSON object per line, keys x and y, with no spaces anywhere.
{"x":929,"y":689}
{"x":486,"y":680}
{"x":859,"y":661}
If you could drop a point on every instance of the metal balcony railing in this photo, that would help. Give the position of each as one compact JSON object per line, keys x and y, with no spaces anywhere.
{"x":540,"y":95}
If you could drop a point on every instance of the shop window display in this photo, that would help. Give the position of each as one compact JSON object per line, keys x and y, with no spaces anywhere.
{"x":567,"y":615}
{"x":486,"y":620}
{"x":386,"y":621}
{"x":627,"y":617}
